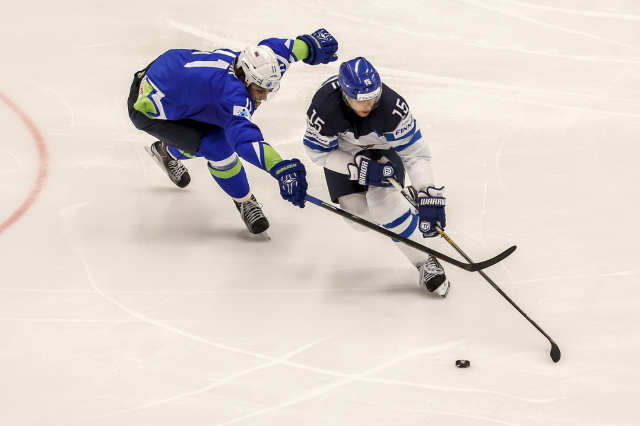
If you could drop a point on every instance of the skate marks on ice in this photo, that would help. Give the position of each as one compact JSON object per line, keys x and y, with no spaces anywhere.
{"x":457,"y":82}
{"x":215,"y":39}
{"x":603,"y":15}
{"x":524,"y":18}
{"x":69,"y":229}
{"x":365,"y":377}
{"x":484,"y":44}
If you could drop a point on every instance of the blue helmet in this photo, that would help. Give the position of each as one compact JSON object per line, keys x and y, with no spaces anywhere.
{"x":359,"y":79}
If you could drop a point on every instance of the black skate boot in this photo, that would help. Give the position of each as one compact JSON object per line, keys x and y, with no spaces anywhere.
{"x":252,"y":215}
{"x":432,"y":277}
{"x":176,"y":171}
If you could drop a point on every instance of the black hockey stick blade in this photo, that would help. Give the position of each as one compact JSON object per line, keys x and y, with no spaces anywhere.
{"x":471,"y":267}
{"x":490,"y":262}
{"x":555,"y":352}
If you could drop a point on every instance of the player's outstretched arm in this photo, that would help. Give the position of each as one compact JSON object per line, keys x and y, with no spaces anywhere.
{"x":291,"y":174}
{"x":322,"y":47}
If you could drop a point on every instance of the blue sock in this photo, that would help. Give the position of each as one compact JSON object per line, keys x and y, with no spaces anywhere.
{"x":233,"y":180}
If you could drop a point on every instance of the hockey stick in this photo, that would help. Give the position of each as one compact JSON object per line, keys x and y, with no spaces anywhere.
{"x":555,"y":350}
{"x":472,"y":267}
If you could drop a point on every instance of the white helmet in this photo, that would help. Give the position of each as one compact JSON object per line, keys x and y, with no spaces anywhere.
{"x":260,"y":67}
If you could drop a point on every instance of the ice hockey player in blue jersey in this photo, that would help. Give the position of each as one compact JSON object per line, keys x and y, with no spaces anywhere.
{"x":362,"y":132}
{"x":201,"y":103}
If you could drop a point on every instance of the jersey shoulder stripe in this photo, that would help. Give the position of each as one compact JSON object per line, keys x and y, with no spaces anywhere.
{"x":415,"y":138}
{"x":405,"y":129}
{"x":315,"y":147}
{"x":332,"y":79}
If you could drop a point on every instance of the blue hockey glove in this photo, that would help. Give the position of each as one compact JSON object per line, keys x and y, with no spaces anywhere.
{"x":431,"y":202}
{"x":322,"y":47}
{"x":369,"y":172}
{"x":293,"y":183}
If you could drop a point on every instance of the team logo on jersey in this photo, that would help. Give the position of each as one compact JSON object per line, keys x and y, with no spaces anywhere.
{"x":241,"y":111}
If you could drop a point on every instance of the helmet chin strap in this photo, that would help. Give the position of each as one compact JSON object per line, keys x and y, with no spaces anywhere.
{"x":345,"y":99}
{"x":236,"y":70}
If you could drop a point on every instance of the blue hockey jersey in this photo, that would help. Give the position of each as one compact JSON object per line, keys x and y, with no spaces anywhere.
{"x":202,"y":86}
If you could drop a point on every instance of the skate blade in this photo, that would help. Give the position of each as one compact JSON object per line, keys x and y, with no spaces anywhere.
{"x":443,"y":289}
{"x":148,"y":149}
{"x":156,"y":159}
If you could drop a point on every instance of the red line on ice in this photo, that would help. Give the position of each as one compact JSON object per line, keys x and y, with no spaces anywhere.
{"x":42,"y":168}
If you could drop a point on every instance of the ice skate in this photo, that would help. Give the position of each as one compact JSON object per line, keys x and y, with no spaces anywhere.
{"x":176,"y":171}
{"x":253,"y":217}
{"x":432,"y":277}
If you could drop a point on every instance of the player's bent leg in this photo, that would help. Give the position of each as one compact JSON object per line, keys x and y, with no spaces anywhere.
{"x":232,"y":178}
{"x":356,"y":204}
{"x":179,"y":154}
{"x":173,"y":167}
{"x":230,"y":175}
{"x":252,"y":215}
{"x":432,"y":277}
{"x":184,"y":135}
{"x":228,"y":172}
{"x":431,"y":274}
{"x":390,"y":209}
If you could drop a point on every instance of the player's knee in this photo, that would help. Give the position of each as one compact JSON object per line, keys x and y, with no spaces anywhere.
{"x":386,"y":204}
{"x":404,"y":225}
{"x":356,"y":204}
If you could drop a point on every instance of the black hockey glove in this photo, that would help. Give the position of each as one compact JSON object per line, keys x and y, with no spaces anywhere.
{"x":369,"y":172}
{"x":291,"y":176}
{"x":431,"y":202}
{"x":322,"y":47}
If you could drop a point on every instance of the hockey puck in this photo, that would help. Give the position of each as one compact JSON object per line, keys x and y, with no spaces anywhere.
{"x":462,"y":363}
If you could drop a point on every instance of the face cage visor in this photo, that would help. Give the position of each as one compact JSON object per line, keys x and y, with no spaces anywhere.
{"x":271,"y":93}
{"x":376,"y":94}
{"x":272,"y":85}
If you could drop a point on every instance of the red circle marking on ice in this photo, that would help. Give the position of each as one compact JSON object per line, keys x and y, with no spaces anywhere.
{"x":42,"y":168}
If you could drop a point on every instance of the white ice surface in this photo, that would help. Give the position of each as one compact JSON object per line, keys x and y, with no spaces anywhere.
{"x":127,"y":301}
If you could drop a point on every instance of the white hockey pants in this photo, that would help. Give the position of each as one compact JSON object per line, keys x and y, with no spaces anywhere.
{"x":386,"y":206}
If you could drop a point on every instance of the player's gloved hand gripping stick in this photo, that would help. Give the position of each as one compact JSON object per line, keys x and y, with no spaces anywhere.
{"x":292,"y":181}
{"x":431,"y":216}
{"x":555,"y":350}
{"x":369,"y":172}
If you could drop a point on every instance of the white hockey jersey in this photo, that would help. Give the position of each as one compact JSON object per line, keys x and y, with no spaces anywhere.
{"x":335,"y":133}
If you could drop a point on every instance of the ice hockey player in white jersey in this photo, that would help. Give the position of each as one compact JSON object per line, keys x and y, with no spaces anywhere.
{"x":362,"y":132}
{"x":200,"y":104}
